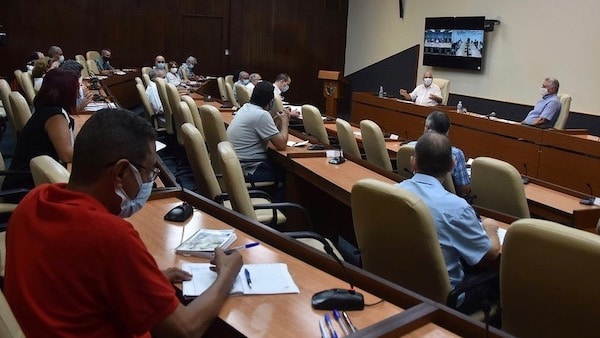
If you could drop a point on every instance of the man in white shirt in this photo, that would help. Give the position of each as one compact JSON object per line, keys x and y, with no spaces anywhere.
{"x":281,"y":84}
{"x":254,"y":79}
{"x":243,"y":79}
{"x":152,"y":92}
{"x":426,"y":94}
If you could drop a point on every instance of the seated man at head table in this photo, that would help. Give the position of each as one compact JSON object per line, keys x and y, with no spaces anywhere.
{"x":76,"y":268}
{"x":160,"y":66}
{"x":56,"y":57}
{"x":186,"y":70}
{"x":253,"y":128}
{"x":426,"y":94}
{"x":103,"y":63}
{"x":243,"y":79}
{"x":546,"y":110}
{"x":459,"y":230}
{"x":254,"y":79}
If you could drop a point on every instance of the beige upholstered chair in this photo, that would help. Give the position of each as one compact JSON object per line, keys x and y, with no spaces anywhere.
{"x":243,"y":94}
{"x":498,"y":186}
{"x":563,"y":114}
{"x":164,"y":99}
{"x":45,"y":169}
{"x":92,"y":55}
{"x":403,"y":160}
{"x":277,"y":105}
{"x":92,"y":67}
{"x":28,"y":90}
{"x":9,"y":327}
{"x":444,"y":87}
{"x":145,"y":79}
{"x":150,"y":114}
{"x":313,"y":123}
{"x":18,"y":76}
{"x":230,"y":96}
{"x":397,"y":238}
{"x":194,"y":111}
{"x":146,"y":70}
{"x":222,"y":89}
{"x":549,"y":280}
{"x":374,"y":144}
{"x":20,"y":109}
{"x":139,"y":80}
{"x":346,"y":138}
{"x":214,"y":132}
{"x":174,"y":99}
{"x":83,"y":62}
{"x":229,"y":79}
{"x":5,"y":97}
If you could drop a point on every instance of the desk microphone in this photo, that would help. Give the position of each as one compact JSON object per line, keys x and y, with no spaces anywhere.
{"x":490,"y":115}
{"x":589,"y":200}
{"x":340,"y":299}
{"x":524,"y":177}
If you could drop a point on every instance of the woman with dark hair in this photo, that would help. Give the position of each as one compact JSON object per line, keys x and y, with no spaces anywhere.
{"x":49,"y":131}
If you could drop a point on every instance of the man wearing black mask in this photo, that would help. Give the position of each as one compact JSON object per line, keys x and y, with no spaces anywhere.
{"x":103,"y":63}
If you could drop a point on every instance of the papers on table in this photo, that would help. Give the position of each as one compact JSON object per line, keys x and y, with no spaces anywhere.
{"x":95,"y":106}
{"x":501,"y":234}
{"x":297,"y":144}
{"x":266,"y":279}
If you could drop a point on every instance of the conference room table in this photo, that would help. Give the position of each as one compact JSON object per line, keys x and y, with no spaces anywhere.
{"x":397,"y":312}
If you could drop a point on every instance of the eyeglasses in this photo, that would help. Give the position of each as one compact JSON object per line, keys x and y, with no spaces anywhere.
{"x":154,"y":172}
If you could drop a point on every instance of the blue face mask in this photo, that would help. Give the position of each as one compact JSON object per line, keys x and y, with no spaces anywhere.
{"x":160,"y":65}
{"x":131,"y":206}
{"x":245,"y":81}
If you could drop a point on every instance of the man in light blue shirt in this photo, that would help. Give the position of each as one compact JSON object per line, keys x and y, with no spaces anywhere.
{"x":459,"y":230}
{"x":545,"y":111}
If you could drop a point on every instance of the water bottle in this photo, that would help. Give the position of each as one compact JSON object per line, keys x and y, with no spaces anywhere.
{"x":380,"y":91}
{"x":459,"y":107}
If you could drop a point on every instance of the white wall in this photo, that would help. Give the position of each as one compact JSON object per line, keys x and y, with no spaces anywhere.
{"x":536,"y":38}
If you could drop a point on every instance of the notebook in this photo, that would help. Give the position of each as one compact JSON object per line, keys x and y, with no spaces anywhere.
{"x":204,"y":241}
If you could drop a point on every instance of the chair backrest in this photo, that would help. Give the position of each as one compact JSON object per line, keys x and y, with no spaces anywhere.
{"x":197,"y":154}
{"x":563,"y":114}
{"x":18,"y":77}
{"x":214,"y":132}
{"x":229,"y":79}
{"x":146,"y":70}
{"x":194,"y":111}
{"x":92,"y":55}
{"x":139,"y":80}
{"x":185,"y":116}
{"x":164,"y":99}
{"x":92,"y":67}
{"x":174,"y":100}
{"x":83,"y":62}
{"x":222,"y":90}
{"x":397,"y":238}
{"x":243,"y":94}
{"x":374,"y":144}
{"x":549,"y":280}
{"x":146,"y":79}
{"x":20,"y":109}
{"x":346,"y":138}
{"x":230,"y":96}
{"x":28,"y":90}
{"x":45,"y":169}
{"x":5,"y":97}
{"x":234,"y":180}
{"x":444,"y":87}
{"x":277,"y":105}
{"x":498,"y":186}
{"x":9,"y":327}
{"x":313,"y":123}
{"x":403,"y":160}
{"x":150,"y":114}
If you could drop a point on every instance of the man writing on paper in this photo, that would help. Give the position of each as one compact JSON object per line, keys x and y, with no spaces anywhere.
{"x":460,"y":232}
{"x":546,"y":109}
{"x":426,"y":94}
{"x":76,"y":268}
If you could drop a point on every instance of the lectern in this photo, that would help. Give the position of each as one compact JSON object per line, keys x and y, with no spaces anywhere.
{"x":333,"y":90}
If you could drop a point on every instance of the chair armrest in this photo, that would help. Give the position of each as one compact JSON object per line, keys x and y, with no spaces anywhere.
{"x":473,"y":282}
{"x":259,"y":194}
{"x":313,"y":235}
{"x":285,"y":205}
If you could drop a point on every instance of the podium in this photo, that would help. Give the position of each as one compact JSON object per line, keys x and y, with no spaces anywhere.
{"x":334,"y":89}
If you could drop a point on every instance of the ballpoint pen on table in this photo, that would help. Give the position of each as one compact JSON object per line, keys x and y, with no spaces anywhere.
{"x":341,"y":321}
{"x":241,"y":247}
{"x":330,"y":326}
{"x":349,"y":322}
{"x":248,"y":280}
{"x":324,"y":333}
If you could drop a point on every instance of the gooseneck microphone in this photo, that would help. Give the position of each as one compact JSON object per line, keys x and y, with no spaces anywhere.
{"x":490,"y":115}
{"x":589,"y":200}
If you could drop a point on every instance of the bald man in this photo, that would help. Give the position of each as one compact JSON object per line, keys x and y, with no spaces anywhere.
{"x":426,"y":94}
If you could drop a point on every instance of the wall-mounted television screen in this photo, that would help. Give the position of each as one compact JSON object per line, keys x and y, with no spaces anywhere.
{"x":454,"y":42}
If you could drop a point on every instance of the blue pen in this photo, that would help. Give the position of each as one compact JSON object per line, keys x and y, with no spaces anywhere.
{"x":330,"y":326}
{"x":241,"y":247}
{"x":324,"y":333}
{"x":338,"y":317}
{"x":248,"y":280}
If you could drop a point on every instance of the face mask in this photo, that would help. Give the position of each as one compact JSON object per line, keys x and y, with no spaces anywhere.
{"x":61,"y":59}
{"x":428,"y":81}
{"x":173,"y":70}
{"x":245,"y":81}
{"x":543,"y":91}
{"x":29,"y":68}
{"x":190,"y":66}
{"x":129,"y":206}
{"x":106,"y":59}
{"x":285,"y":88}
{"x":160,"y":65}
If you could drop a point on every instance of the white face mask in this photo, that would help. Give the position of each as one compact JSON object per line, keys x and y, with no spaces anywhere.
{"x":173,"y":70}
{"x":29,"y":68}
{"x":190,"y":66}
{"x":61,"y":59}
{"x":245,"y":81}
{"x":131,"y":206}
{"x":428,"y":81}
{"x":543,"y":91}
{"x":285,"y":88}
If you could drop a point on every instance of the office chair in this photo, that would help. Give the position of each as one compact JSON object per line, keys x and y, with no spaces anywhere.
{"x":277,"y":105}
{"x":374,"y":145}
{"x":230,"y":96}
{"x":444,"y":87}
{"x":146,"y":79}
{"x":243,"y":94}
{"x":398,"y":241}
{"x":174,"y":99}
{"x":563,"y":114}
{"x":20,"y":109}
{"x":549,"y":280}
{"x":222,"y":90}
{"x":83,"y":62}
{"x":194,"y":111}
{"x":18,"y":76}
{"x":9,"y":327}
{"x":229,"y":79}
{"x":92,"y":67}
{"x":92,"y":55}
{"x":138,"y":80}
{"x":4,"y":96}
{"x":164,"y":99}
{"x":146,"y":70}
{"x":27,"y":87}
{"x":153,"y":118}
{"x":498,"y":186}
{"x":45,"y":169}
{"x":405,"y":168}
{"x":313,"y":123}
{"x":346,"y":138}
{"x":214,"y":132}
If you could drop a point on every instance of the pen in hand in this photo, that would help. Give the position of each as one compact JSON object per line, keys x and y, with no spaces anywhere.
{"x":241,"y":247}
{"x":248,"y":280}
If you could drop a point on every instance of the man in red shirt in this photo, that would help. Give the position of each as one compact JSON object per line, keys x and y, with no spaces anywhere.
{"x":75,"y":268}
